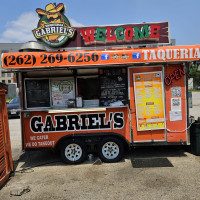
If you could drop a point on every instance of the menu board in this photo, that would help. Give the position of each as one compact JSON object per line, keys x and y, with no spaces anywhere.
{"x":149,"y":101}
{"x":113,"y":87}
{"x":62,"y":91}
{"x":37,"y":93}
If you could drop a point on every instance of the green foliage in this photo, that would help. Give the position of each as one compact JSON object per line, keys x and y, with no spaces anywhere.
{"x":194,"y":90}
{"x":8,"y":99}
{"x":193,"y":73}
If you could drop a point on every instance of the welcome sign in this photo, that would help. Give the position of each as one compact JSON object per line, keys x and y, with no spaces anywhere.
{"x":117,"y":35}
{"x":55,"y":30}
{"x":146,"y":33}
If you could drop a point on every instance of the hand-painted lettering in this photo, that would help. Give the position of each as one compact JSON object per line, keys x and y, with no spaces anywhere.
{"x":118,"y":121}
{"x":75,"y":122}
{"x":36,"y":124}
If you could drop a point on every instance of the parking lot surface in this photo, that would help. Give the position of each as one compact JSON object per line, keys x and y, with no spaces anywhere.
{"x":195,"y":110}
{"x":144,"y":173}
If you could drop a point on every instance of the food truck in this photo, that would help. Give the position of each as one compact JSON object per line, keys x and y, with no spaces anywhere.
{"x":101,"y":88}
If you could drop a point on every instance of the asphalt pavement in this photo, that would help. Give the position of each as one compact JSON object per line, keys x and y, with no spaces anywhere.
{"x":144,"y":173}
{"x":195,"y":110}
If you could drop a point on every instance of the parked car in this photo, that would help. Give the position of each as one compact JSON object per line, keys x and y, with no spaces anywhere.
{"x":13,"y":107}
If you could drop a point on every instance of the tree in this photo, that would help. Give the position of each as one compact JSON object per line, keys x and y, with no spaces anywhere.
{"x":193,"y":73}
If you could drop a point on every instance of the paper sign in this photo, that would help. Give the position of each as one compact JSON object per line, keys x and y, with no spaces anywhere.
{"x":149,"y":101}
{"x":176,"y":104}
{"x":175,"y":115}
{"x":62,"y":91}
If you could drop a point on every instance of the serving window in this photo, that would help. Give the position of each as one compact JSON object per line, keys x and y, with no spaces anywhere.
{"x":83,"y":88}
{"x":88,"y":90}
{"x":47,"y":93}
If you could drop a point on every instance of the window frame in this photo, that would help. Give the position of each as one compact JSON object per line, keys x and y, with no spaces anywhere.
{"x":50,"y":91}
{"x":25,"y":95}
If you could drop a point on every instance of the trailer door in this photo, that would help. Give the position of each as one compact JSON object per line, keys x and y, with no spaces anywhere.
{"x":147,"y":108}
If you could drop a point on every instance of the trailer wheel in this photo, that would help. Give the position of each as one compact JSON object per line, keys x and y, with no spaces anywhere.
{"x":110,"y":150}
{"x":73,"y":151}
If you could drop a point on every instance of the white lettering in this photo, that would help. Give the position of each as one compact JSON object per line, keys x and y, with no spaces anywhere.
{"x":48,"y":30}
{"x":169,"y":53}
{"x":43,"y":32}
{"x":184,"y":53}
{"x":38,"y":33}
{"x":46,"y":143}
{"x":145,"y":54}
{"x":61,"y":29}
{"x":191,"y":53}
{"x":196,"y":53}
{"x":53,"y":30}
{"x":28,"y":144}
{"x":161,"y":54}
{"x":153,"y":55}
{"x":42,"y":137}
{"x":32,"y":138}
{"x":70,"y":31}
{"x":176,"y":53}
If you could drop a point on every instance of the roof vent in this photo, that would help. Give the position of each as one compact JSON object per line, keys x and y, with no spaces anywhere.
{"x":32,"y":46}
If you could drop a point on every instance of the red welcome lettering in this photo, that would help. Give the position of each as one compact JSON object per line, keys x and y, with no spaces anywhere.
{"x":88,"y":35}
{"x":110,"y":37}
{"x":155,"y":31}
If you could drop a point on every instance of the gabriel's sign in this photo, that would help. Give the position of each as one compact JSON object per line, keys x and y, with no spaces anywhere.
{"x":75,"y":122}
{"x":54,"y":28}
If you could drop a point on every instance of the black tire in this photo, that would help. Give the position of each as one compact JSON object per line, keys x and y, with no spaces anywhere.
{"x":110,"y":150}
{"x":73,"y":151}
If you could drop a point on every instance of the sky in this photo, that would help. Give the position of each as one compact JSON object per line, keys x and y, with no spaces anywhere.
{"x":19,"y":18}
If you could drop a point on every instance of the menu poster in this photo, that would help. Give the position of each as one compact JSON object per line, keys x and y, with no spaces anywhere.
{"x":62,"y":91}
{"x":113,"y":87}
{"x":149,"y":101}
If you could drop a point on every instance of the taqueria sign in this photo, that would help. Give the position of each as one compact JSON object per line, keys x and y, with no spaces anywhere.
{"x":55,"y":30}
{"x":100,"y":57}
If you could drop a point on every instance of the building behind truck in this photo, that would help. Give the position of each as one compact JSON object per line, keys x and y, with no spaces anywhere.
{"x":8,"y":78}
{"x":93,"y":90}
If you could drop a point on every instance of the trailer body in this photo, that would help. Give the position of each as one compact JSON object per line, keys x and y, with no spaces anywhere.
{"x":101,"y":100}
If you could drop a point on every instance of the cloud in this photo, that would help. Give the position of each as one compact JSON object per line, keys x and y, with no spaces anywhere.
{"x":20,"y":30}
{"x":75,"y":23}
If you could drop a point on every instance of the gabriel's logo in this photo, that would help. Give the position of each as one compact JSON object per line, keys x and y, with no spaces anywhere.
{"x":53,"y":28}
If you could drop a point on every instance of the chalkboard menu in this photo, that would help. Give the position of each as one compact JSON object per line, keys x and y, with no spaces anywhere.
{"x":37,"y":93}
{"x":113,"y":87}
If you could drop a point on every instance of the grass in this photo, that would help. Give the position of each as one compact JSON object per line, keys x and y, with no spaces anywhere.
{"x":194,"y":90}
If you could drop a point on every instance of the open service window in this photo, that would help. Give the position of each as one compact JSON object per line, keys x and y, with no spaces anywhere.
{"x":50,"y":92}
{"x":88,"y":90}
